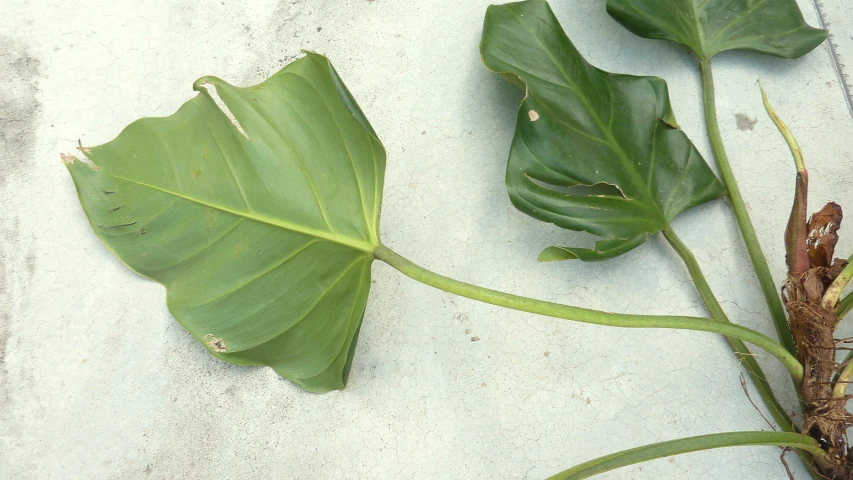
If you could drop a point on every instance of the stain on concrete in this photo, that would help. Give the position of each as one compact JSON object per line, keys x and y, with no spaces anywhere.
{"x":285,"y":11}
{"x":20,"y":109}
{"x":744,"y":122}
{"x":9,"y":234}
{"x":31,"y":264}
{"x":284,"y":25}
{"x":4,"y":322}
{"x":20,"y":112}
{"x":4,"y":341}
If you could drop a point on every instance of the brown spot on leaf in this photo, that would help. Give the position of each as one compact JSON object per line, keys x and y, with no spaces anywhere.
{"x":216,"y":344}
{"x":533,"y":115}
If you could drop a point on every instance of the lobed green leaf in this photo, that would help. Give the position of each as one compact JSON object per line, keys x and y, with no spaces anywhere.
{"x":581,"y":126}
{"x":708,"y":27}
{"x":262,"y":230}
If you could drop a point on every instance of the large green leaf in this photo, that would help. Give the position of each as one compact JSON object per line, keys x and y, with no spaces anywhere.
{"x":708,"y":27}
{"x":263,"y":232}
{"x":581,"y":126}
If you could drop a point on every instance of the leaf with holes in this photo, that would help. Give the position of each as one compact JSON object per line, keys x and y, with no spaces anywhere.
{"x":262,"y":230}
{"x":774,"y":27}
{"x":592,"y":151}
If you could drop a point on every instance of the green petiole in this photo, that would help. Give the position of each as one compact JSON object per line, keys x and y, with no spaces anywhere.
{"x":753,"y":247}
{"x":585,"y":315}
{"x":687,"y":445}
{"x":738,"y":347}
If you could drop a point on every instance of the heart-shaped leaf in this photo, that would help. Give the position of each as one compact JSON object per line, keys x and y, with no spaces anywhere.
{"x":613,"y":135}
{"x":262,"y":228}
{"x":708,"y":27}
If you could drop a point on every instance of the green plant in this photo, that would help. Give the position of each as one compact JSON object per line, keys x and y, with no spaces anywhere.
{"x":261,"y":217}
{"x":524,"y":42}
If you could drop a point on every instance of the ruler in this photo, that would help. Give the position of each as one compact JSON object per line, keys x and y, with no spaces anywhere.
{"x":834,"y":15}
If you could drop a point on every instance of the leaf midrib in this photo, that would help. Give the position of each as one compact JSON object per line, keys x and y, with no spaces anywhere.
{"x":371,"y":227}
{"x":367,"y":223}
{"x":616,"y":146}
{"x":738,"y":20}
{"x":700,"y":32}
{"x":354,"y":244}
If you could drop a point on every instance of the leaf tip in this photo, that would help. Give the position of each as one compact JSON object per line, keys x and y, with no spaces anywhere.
{"x":313,"y":54}
{"x":556,"y":254}
{"x":796,"y":152}
{"x":199,"y":84}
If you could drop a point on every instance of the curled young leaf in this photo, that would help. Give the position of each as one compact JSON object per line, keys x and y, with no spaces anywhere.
{"x":796,"y":231}
{"x":581,"y":126}
{"x":774,"y":27}
{"x":262,"y":228}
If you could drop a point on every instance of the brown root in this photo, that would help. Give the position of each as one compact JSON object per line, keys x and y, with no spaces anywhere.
{"x":825,"y":418}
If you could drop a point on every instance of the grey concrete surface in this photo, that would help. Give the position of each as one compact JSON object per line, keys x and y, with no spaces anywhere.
{"x":98,"y":381}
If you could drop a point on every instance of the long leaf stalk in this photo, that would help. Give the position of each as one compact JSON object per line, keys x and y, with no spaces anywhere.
{"x":738,"y":347}
{"x":687,"y":445}
{"x":753,"y":247}
{"x":759,"y":379}
{"x":585,"y":315}
{"x":848,"y":360}
{"x":798,"y":257}
{"x":840,"y":389}
{"x":830,"y":298}
{"x":845,"y":305}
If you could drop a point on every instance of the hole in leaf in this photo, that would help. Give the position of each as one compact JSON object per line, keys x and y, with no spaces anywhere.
{"x":211,"y":89}
{"x":597,"y":189}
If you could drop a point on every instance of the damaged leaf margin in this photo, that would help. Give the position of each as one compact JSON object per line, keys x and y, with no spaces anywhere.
{"x":263,"y":238}
{"x":592,"y":128}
